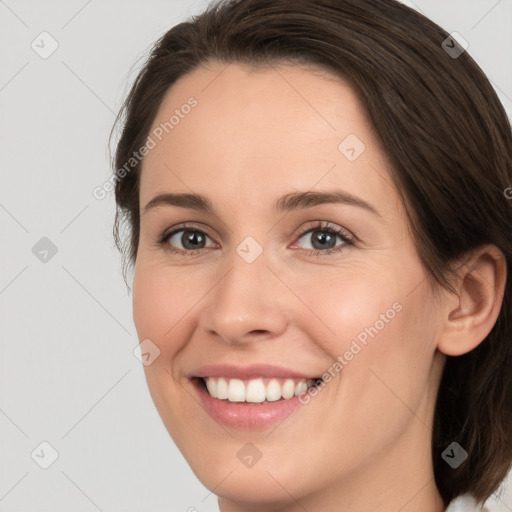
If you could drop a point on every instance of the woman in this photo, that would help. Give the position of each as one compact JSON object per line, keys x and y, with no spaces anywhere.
{"x":369,"y":369}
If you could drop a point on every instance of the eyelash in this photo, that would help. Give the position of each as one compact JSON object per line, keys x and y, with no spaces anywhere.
{"x":325,"y":227}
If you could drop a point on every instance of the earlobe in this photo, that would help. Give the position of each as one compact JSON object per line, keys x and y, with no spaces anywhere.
{"x":470,"y":316}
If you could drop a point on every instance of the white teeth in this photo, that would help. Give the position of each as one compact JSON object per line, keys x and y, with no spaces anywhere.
{"x":255,"y":390}
{"x":212,"y":387}
{"x":236,"y":390}
{"x":222,"y":389}
{"x":288,"y":388}
{"x":273,"y":390}
{"x":301,"y":387}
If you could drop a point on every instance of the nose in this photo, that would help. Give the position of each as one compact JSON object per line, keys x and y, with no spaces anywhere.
{"x":247,"y":304}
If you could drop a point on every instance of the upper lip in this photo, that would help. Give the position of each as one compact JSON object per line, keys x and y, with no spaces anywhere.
{"x":248,"y":372}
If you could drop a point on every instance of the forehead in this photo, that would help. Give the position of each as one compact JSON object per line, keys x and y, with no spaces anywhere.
{"x":256,"y":129}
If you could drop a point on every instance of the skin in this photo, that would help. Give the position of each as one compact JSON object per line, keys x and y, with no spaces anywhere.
{"x":364,"y":442}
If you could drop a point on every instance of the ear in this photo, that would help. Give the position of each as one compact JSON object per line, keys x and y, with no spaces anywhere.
{"x":470,"y":315}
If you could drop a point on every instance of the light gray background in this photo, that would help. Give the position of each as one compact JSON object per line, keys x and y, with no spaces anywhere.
{"x":68,"y":375}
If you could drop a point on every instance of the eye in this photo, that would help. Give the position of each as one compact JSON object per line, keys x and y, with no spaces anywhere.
{"x":322,"y":237}
{"x":191,"y":239}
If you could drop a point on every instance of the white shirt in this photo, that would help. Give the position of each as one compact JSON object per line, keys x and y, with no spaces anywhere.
{"x":465,"y":503}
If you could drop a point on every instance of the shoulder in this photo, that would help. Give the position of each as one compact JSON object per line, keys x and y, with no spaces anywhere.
{"x":465,"y":503}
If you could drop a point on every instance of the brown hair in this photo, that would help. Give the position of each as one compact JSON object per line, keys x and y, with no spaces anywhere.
{"x":449,"y":141}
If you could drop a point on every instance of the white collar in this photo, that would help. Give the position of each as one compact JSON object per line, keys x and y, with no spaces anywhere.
{"x":465,"y":503}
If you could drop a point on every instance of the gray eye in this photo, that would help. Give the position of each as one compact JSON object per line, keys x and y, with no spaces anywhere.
{"x":321,"y":239}
{"x":190,"y":239}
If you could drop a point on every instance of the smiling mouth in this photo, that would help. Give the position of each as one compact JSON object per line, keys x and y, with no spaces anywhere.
{"x":257,"y":391}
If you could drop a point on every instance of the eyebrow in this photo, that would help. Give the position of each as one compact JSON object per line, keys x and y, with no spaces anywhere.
{"x":287,"y":203}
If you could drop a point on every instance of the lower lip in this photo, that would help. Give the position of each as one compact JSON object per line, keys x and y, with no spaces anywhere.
{"x":243,"y":415}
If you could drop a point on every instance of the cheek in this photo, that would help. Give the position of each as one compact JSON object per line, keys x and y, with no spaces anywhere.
{"x":161,"y":300}
{"x":149,"y":298}
{"x":387,"y":342}
{"x":384,"y":344}
{"x":350,"y":308}
{"x":376,"y":327}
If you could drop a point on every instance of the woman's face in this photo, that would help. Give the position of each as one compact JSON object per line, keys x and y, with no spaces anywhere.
{"x":266,"y":292}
